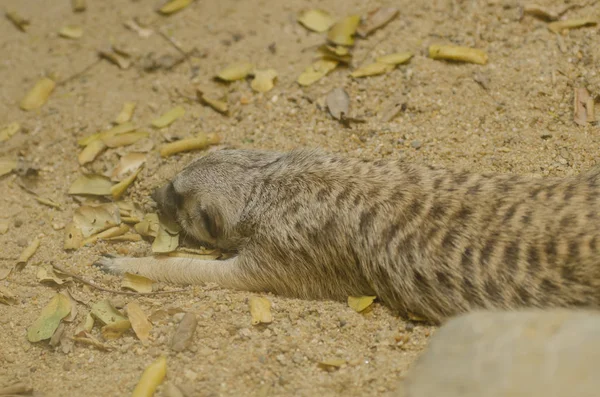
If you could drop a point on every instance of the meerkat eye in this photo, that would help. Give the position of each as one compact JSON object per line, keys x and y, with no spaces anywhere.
{"x":207,"y":223}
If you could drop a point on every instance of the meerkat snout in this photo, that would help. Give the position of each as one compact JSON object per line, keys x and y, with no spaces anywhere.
{"x":167,"y":199}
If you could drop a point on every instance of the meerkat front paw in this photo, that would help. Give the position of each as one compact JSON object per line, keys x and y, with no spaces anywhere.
{"x":109,"y":264}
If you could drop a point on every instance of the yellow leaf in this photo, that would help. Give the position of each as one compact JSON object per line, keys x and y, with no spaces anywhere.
{"x":126,"y":113}
{"x":342,"y":32}
{"x":91,"y":184}
{"x":90,"y":152}
{"x":139,"y":321}
{"x":199,"y":142}
{"x":332,"y":363}
{"x":316,"y":20}
{"x":316,"y":71}
{"x":120,"y":129}
{"x":559,"y":26}
{"x":104,"y":312}
{"x":360,"y":303}
{"x":7,"y":297}
{"x":38,"y":95}
{"x":173,"y":6}
{"x":260,"y":310}
{"x":6,"y":166}
{"x":263,"y":80}
{"x":28,"y":251}
{"x":9,"y":130}
{"x":218,"y":105}
{"x":78,"y":5}
{"x":236,"y":71}
{"x":454,"y":53}
{"x":128,"y":138}
{"x":71,"y":32}
{"x":136,"y":283}
{"x":372,"y":69}
{"x":169,"y":117}
{"x":109,"y":233}
{"x":119,"y":189}
{"x":395,"y":59}
{"x":153,"y":376}
{"x":73,"y":237}
{"x":128,"y":163}
{"x":115,"y":330}
{"x":149,"y":226}
{"x":94,"y":219}
{"x":45,"y":325}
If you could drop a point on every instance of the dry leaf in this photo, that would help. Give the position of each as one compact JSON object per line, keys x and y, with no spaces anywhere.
{"x":86,"y":325}
{"x":45,"y":325}
{"x":342,"y":32}
{"x":136,"y":283}
{"x":125,"y":139}
{"x":199,"y":142}
{"x":73,"y":237}
{"x":316,"y":71}
{"x":27,"y":253}
{"x":126,"y":113}
{"x":95,"y":219}
{"x":235,"y":71}
{"x":152,"y":377}
{"x":134,"y":26}
{"x":185,"y":333}
{"x":3,"y":226}
{"x":47,"y":202}
{"x":149,"y":226}
{"x":263,"y":80}
{"x":337,"y":53}
{"x":461,"y":54}
{"x":395,"y":59}
{"x":119,"y":189}
{"x":7,"y":297}
{"x":87,"y":339}
{"x":331,"y":364}
{"x":167,"y":238}
{"x":120,"y":129}
{"x":78,"y":5}
{"x":125,"y":238}
{"x":169,"y":117}
{"x":47,"y":274}
{"x":559,"y":26}
{"x":372,"y":69}
{"x":91,"y":184}
{"x":583,"y":107}
{"x":20,"y":23}
{"x":260,"y":310}
{"x":112,"y":232}
{"x":38,"y":95}
{"x":360,"y":303}
{"x":376,"y":19}
{"x":7,"y":166}
{"x":128,"y":163}
{"x":71,"y":32}
{"x":115,"y":57}
{"x":104,"y":312}
{"x":540,"y":12}
{"x":173,"y":6}
{"x":90,"y":152}
{"x":338,"y":103}
{"x":9,"y":130}
{"x":139,"y":321}
{"x":115,"y":330}
{"x":218,"y":105}
{"x":316,"y":20}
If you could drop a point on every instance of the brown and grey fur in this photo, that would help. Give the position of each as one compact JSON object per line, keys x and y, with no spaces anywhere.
{"x":433,"y":242}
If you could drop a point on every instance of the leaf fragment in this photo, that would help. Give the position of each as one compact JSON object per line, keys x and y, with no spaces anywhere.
{"x":559,"y":26}
{"x":456,"y":53}
{"x":185,"y":332}
{"x":360,"y":303}
{"x":120,"y":129}
{"x":115,"y":330}
{"x":260,"y":310}
{"x":316,"y":20}
{"x":235,"y":71}
{"x":136,"y":283}
{"x":126,"y":113}
{"x":78,"y":5}
{"x":173,"y":6}
{"x":28,"y":252}
{"x":108,"y":233}
{"x":337,"y":53}
{"x":105,"y":312}
{"x":88,"y":339}
{"x":167,"y":238}
{"x":376,"y":19}
{"x":128,"y":138}
{"x":149,"y":226}
{"x":71,"y":32}
{"x":217,"y":104}
{"x":316,"y":71}
{"x":119,"y":189}
{"x":372,"y":69}
{"x":342,"y":32}
{"x":331,"y":364}
{"x":263,"y":80}
{"x":115,"y":57}
{"x":7,"y":166}
{"x":9,"y":130}
{"x":128,"y":163}
{"x":395,"y":59}
{"x":584,"y":108}
{"x":540,"y":12}
{"x":7,"y":297}
{"x":90,"y":152}
{"x":139,"y":321}
{"x":38,"y":95}
{"x":47,"y":274}
{"x":169,"y":117}
{"x":51,"y":315}
{"x":73,"y":237}
{"x":200,"y":141}
{"x":338,"y":103}
{"x":92,"y":184}
{"x":152,"y":377}
{"x":20,"y":22}
{"x":95,"y":219}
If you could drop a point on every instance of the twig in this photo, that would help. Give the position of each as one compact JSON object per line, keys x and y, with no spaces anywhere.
{"x":81,"y":72}
{"x":112,"y":291}
{"x":177,"y":47}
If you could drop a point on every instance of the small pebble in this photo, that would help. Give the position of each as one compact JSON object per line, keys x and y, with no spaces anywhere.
{"x":416,"y":144}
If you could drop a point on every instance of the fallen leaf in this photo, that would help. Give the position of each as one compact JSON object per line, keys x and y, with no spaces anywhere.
{"x":95,"y":219}
{"x":115,"y":330}
{"x":126,"y":113}
{"x":3,"y":226}
{"x":73,"y":237}
{"x":119,"y":189}
{"x":395,"y":59}
{"x":139,"y":321}
{"x":455,"y":53}
{"x":78,"y":5}
{"x":331,"y":364}
{"x":316,"y":20}
{"x":120,"y":129}
{"x":167,"y":238}
{"x":7,"y":297}
{"x":125,"y":238}
{"x":136,"y":283}
{"x":38,"y":95}
{"x":71,"y":32}
{"x":376,"y":19}
{"x":173,"y":6}
{"x":9,"y":130}
{"x":104,"y":312}
{"x":218,"y":105}
{"x":90,"y":152}
{"x":92,"y":184}
{"x":49,"y":319}
{"x":152,"y":377}
{"x":27,"y":253}
{"x":149,"y":226}
{"x":360,"y":303}
{"x":263,"y":80}
{"x":86,"y":325}
{"x":134,"y":26}
{"x":46,"y":274}
{"x":57,"y":335}
{"x":7,"y":166}
{"x":583,"y":106}
{"x":372,"y":69}
{"x":87,"y":339}
{"x":128,"y":163}
{"x":559,"y":26}
{"x":540,"y":12}
{"x":337,"y":53}
{"x":342,"y":32}
{"x":200,"y":141}
{"x":338,"y":103}
{"x":316,"y":71}
{"x":20,"y":23}
{"x":112,"y":232}
{"x":235,"y":71}
{"x":5,"y":272}
{"x":169,"y":117}
{"x":260,"y":310}
{"x":185,"y":333}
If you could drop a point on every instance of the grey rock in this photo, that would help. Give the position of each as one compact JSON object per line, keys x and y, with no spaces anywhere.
{"x":529,"y":353}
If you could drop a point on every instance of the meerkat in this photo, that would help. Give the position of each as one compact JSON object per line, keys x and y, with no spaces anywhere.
{"x":428,"y":241}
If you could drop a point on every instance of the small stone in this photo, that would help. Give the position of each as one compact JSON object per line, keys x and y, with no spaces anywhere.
{"x":416,"y":144}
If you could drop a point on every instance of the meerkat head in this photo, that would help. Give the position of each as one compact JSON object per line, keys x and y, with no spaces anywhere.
{"x":208,"y":197}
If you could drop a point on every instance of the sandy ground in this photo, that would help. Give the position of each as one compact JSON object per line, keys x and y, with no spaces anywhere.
{"x":517,"y":118}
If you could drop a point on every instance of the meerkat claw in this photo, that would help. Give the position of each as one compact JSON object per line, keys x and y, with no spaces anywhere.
{"x":107,"y":264}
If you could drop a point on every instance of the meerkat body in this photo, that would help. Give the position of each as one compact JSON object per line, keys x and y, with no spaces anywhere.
{"x":433,"y":242}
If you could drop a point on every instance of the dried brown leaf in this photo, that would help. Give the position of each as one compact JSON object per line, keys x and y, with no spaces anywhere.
{"x":460,"y":54}
{"x":236,"y":71}
{"x":260,"y":310}
{"x":185,"y":333}
{"x":173,"y":6}
{"x":316,"y":20}
{"x":376,"y":19}
{"x":38,"y":95}
{"x":338,"y":103}
{"x":139,"y":321}
{"x":92,"y":184}
{"x":342,"y":32}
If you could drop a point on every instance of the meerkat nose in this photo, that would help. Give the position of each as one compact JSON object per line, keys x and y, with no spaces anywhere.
{"x":160,"y":195}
